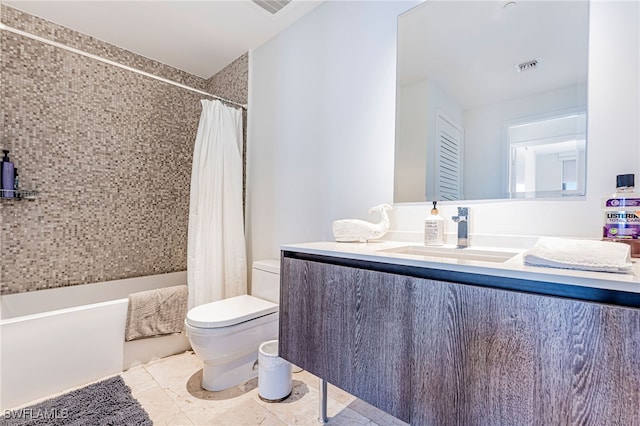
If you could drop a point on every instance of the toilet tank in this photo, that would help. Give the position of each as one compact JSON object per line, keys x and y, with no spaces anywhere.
{"x":265,"y":280}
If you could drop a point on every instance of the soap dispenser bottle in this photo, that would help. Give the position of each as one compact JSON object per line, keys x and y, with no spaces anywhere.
{"x":434,"y":228}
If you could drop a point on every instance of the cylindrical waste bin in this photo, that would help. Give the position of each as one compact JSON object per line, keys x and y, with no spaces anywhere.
{"x":274,"y":373}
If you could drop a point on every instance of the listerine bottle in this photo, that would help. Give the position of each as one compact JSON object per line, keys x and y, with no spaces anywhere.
{"x":621,"y":213}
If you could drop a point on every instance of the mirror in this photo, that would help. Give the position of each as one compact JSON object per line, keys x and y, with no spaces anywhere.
{"x":491,"y":100}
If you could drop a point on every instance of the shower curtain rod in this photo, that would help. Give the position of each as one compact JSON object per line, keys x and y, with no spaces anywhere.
{"x":116,"y":64}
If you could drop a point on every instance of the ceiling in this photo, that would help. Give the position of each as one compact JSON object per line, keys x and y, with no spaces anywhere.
{"x":199,"y":37}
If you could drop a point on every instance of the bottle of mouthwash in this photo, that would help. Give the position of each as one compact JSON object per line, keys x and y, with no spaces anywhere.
{"x":622,"y":212}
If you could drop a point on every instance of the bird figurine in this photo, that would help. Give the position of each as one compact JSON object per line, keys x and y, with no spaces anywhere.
{"x":352,"y":230}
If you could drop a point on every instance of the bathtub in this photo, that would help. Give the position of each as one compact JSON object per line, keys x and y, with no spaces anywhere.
{"x":56,"y":339}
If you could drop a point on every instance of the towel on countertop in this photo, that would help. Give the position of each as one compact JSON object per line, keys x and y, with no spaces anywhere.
{"x":156,"y":312}
{"x":586,"y":255}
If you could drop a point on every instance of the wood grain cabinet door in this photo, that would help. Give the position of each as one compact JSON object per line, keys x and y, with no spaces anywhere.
{"x":492,"y":357}
{"x":351,"y":327}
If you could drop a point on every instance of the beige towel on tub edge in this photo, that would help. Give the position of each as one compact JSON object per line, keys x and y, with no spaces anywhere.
{"x":156,"y":312}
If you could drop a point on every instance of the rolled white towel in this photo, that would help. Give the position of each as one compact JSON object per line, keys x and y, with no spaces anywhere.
{"x":587,"y":255}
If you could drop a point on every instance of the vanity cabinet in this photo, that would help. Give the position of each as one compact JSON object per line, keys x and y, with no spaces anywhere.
{"x":349,"y":327}
{"x":483,"y":356}
{"x":432,"y":352}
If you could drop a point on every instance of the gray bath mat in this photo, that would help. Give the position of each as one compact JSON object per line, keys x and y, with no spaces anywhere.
{"x":108,"y":402}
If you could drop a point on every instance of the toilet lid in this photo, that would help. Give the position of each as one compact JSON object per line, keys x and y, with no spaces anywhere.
{"x":234,"y":310}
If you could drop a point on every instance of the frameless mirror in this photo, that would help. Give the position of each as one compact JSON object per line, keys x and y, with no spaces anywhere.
{"x":491,"y":100}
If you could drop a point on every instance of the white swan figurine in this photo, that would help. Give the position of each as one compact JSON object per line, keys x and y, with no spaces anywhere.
{"x":351,"y":230}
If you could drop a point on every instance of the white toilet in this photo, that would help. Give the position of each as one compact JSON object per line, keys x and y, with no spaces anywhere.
{"x":226,"y":334}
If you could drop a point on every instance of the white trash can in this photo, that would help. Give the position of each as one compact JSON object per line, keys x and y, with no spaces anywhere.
{"x":274,"y":373}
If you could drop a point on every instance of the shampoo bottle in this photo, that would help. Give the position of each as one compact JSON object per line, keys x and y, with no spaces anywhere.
{"x":434,"y":228}
{"x":7,"y":176}
{"x":621,"y":214}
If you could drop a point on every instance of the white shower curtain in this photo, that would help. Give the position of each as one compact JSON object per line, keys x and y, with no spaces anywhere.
{"x":216,"y":256}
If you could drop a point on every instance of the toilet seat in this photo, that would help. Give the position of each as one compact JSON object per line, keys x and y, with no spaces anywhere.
{"x":228,"y":312}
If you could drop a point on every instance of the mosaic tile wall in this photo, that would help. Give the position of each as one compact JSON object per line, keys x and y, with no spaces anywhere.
{"x":110,"y":151}
{"x":232,"y":82}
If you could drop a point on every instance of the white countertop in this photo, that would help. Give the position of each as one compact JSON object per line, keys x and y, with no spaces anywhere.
{"x":512,"y":268}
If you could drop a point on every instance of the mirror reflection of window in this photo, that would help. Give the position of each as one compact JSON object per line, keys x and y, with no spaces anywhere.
{"x":569,"y":175}
{"x":546,"y":156}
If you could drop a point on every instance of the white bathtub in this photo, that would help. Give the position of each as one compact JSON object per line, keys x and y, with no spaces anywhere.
{"x":52,"y":340}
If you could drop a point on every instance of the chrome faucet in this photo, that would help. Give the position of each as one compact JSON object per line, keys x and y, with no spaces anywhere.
{"x":462,"y":219}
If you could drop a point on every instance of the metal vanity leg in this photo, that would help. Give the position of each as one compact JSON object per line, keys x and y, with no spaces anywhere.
{"x":322,"y":415}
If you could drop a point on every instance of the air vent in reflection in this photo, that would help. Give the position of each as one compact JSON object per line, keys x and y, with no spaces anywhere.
{"x":272,"y":6}
{"x":528,"y":66}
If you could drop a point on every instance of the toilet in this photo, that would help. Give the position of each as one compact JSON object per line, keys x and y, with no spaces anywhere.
{"x":226,"y":334}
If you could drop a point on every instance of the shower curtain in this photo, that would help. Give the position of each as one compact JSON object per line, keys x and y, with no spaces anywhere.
{"x":216,"y":256}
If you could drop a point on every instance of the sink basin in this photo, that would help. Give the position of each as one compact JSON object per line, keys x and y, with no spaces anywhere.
{"x":454,"y":253}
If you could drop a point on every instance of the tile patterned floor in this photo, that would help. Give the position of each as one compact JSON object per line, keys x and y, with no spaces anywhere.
{"x":169,"y":390}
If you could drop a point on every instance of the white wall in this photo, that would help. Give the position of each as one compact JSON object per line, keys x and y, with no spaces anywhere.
{"x":321,"y":123}
{"x":321,"y":128}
